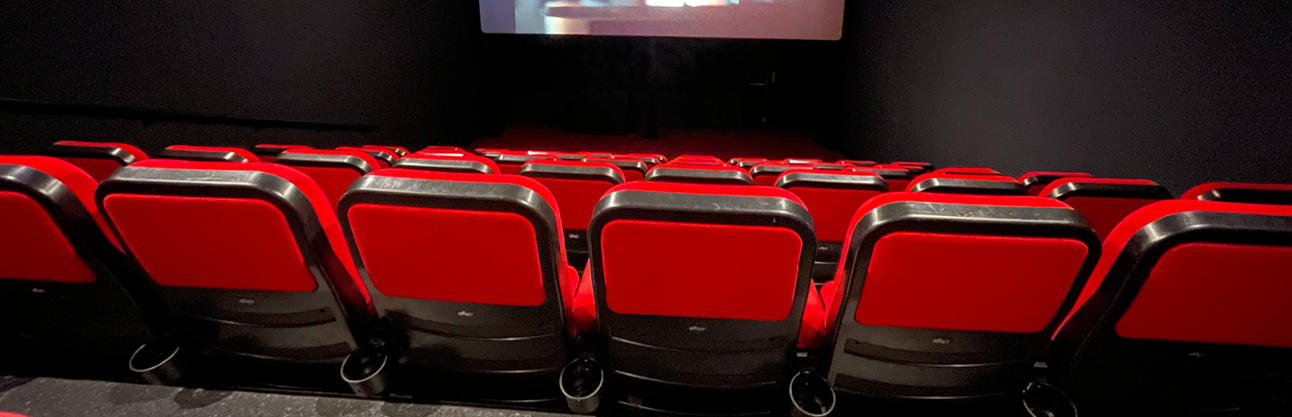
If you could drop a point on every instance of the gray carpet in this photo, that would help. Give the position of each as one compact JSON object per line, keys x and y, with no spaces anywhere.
{"x":53,"y":397}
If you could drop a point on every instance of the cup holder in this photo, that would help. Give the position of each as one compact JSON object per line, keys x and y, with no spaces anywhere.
{"x":365,"y":370}
{"x":1044,"y":400}
{"x":160,"y":362}
{"x":581,"y":383}
{"x":811,"y":395}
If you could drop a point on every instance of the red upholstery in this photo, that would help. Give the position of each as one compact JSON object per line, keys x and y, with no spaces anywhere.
{"x":646,"y":262}
{"x":99,"y":168}
{"x":1103,"y":213}
{"x":685,"y":166}
{"x":968,"y":177}
{"x":699,"y":159}
{"x":76,"y":180}
{"x":628,"y":174}
{"x":513,"y":167}
{"x":399,"y":151}
{"x":470,"y":157}
{"x":894,"y":184}
{"x":1037,"y":187}
{"x":977,"y":283}
{"x":32,"y":247}
{"x":443,"y":149}
{"x":577,"y":197}
{"x":1204,"y":292}
{"x":584,"y":313}
{"x":333,"y":180}
{"x":478,"y":256}
{"x":251,"y":157}
{"x":832,"y":208}
{"x":381,"y":163}
{"x":131,"y":149}
{"x":1201,"y":189}
{"x":224,"y":243}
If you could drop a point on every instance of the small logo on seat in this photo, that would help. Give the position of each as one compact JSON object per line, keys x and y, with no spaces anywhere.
{"x":697,"y":329}
{"x":941,"y":341}
{"x":246,"y":301}
{"x":465,"y":313}
{"x":37,"y":290}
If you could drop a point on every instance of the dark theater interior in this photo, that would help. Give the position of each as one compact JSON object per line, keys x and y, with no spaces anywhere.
{"x":694,"y":208}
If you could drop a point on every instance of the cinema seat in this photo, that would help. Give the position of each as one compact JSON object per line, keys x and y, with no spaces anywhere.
{"x":468,"y":275}
{"x":832,"y":198}
{"x":1187,"y":313}
{"x":649,"y":158}
{"x":699,"y":174}
{"x":897,"y":179}
{"x":634,"y":169}
{"x":944,"y":296}
{"x":99,"y":159}
{"x":967,"y":171}
{"x":459,"y":163}
{"x":399,"y":151}
{"x":249,"y":259}
{"x":444,"y":149}
{"x":597,"y":154}
{"x":699,"y":160}
{"x":824,"y":166}
{"x":385,"y":158}
{"x":267,"y":151}
{"x":801,"y":161}
{"x":1036,"y":181}
{"x":914,"y":170}
{"x":768,"y":172}
{"x":1241,"y":192}
{"x":208,"y":154}
{"x":746,"y":163}
{"x":577,"y":186}
{"x":700,"y":295}
{"x":856,"y":162}
{"x":943,"y":183}
{"x":332,"y":170}
{"x":927,"y":166}
{"x":68,"y":301}
{"x":1105,"y":201}
{"x":510,"y":163}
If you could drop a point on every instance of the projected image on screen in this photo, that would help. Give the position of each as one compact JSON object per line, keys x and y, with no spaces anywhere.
{"x":756,"y":19}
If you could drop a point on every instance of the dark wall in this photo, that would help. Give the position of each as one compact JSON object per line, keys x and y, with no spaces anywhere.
{"x":1179,"y":92}
{"x":407,"y":68}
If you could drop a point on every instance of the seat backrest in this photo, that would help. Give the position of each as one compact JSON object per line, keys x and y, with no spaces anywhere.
{"x":576,"y":185}
{"x":268,"y":151}
{"x":510,"y":163}
{"x":967,"y":171}
{"x":63,"y":284}
{"x":489,"y":288}
{"x":1241,"y":192}
{"x":768,"y":172}
{"x":385,"y":157}
{"x":941,"y":182}
{"x":689,"y":301}
{"x":801,"y":161}
{"x":1105,"y":201}
{"x":332,"y":170}
{"x":460,"y":163}
{"x":927,"y":166}
{"x":399,"y":151}
{"x":1187,"y":312}
{"x":952,"y":296}
{"x":897,"y":179}
{"x":208,"y":153}
{"x":699,"y":174}
{"x":99,"y":159}
{"x":856,"y":162}
{"x":252,"y":250}
{"x":832,"y":197}
{"x":699,"y":159}
{"x":633,"y":169}
{"x":746,"y":163}
{"x":648,"y":158}
{"x":1036,"y":181}
{"x":435,"y":148}
{"x":913,"y":169}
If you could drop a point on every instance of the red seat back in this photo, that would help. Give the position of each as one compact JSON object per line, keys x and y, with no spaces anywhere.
{"x":460,"y":163}
{"x":1105,"y":201}
{"x":99,"y":159}
{"x":208,"y":153}
{"x":385,"y":157}
{"x":942,"y":182}
{"x":577,"y":186}
{"x":1036,"y":181}
{"x":897,"y":179}
{"x":332,"y":170}
{"x":832,"y":197}
{"x":699,"y":174}
{"x":1241,"y":192}
{"x":268,"y":151}
{"x":634,"y":169}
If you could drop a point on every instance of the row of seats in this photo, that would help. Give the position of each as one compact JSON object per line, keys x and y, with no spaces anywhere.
{"x":698,"y":285}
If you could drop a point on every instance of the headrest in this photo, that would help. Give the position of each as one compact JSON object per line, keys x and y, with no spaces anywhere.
{"x":699,"y":174}
{"x":385,"y":158}
{"x":359,"y":161}
{"x":1241,"y":192}
{"x":460,"y":163}
{"x":208,"y":153}
{"x":397,"y":150}
{"x":941,"y":182}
